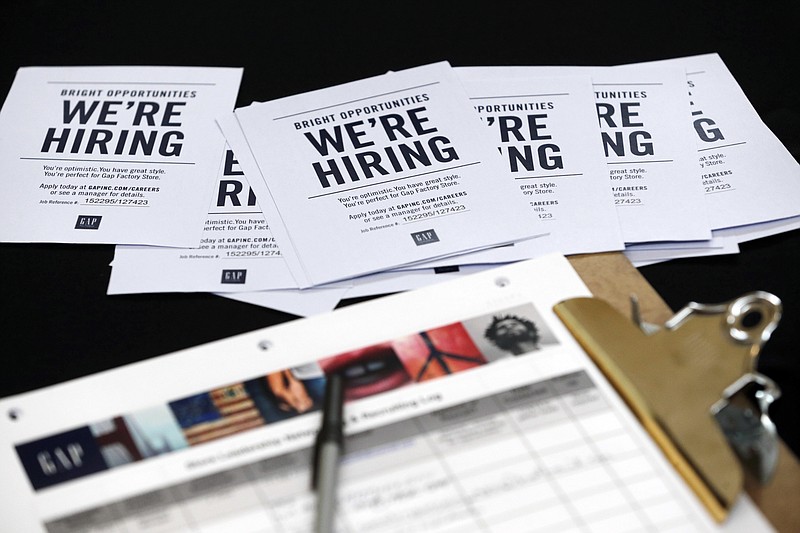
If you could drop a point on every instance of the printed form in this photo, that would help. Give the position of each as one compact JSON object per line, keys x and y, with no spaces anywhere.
{"x":483,"y":415}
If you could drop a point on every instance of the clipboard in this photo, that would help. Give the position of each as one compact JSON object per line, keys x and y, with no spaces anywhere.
{"x":72,"y":408}
{"x":612,"y":278}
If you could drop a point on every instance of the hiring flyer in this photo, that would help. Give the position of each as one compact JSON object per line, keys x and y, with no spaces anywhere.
{"x":556,"y":161}
{"x":382,"y":172}
{"x":124,"y":155}
{"x":648,"y":148}
{"x":747,"y":175}
{"x":236,"y":253}
{"x":543,"y":130}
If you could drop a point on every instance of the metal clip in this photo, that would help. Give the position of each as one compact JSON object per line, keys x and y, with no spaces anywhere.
{"x":648,"y":328}
{"x":743,"y":415}
{"x":692,"y":384}
{"x":743,"y":410}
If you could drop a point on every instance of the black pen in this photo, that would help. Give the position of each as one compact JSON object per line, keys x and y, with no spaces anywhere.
{"x":327,"y":451}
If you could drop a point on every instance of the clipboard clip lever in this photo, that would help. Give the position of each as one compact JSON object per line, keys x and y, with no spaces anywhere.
{"x":743,"y":415}
{"x":742,"y":412}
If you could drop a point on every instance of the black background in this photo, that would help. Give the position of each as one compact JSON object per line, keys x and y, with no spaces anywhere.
{"x":57,"y":322}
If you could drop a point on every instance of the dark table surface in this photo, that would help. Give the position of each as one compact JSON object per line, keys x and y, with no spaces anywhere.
{"x":57,"y":321}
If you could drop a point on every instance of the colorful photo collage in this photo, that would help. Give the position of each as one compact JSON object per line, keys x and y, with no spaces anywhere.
{"x":284,"y":394}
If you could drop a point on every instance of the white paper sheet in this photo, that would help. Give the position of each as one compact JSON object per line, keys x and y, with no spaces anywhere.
{"x":351,"y":198}
{"x":543,"y":128}
{"x":237,"y":252}
{"x":747,"y":174}
{"x":121,"y":155}
{"x":405,"y":280}
{"x":519,"y":433}
{"x":648,"y":257}
{"x":300,"y":302}
{"x":757,"y":231}
{"x":714,"y":242}
{"x":654,"y":180}
{"x":313,"y":301}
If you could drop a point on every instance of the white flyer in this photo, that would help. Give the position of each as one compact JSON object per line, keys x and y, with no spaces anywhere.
{"x":471,"y":409}
{"x":378,"y":173}
{"x":641,"y":258}
{"x":758,"y":231}
{"x":300,"y":302}
{"x":237,"y":252}
{"x":648,"y":148}
{"x":542,"y":128}
{"x":404,"y":280}
{"x":747,"y":174}
{"x":120,"y":155}
{"x":314,"y":300}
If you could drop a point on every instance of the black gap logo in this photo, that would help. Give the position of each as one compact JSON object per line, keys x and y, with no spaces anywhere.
{"x":88,"y":222}
{"x":234,"y":276}
{"x":424,"y":237}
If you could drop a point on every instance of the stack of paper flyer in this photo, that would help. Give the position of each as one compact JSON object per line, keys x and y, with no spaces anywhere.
{"x":750,"y":181}
{"x":387,"y":183}
{"x":603,"y":159}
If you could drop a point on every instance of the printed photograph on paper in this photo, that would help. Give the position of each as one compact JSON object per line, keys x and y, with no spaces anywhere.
{"x":438,"y":352}
{"x":287,"y":393}
{"x":368,"y":371}
{"x":510,"y":332}
{"x":155,"y":431}
{"x":212,"y":415}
